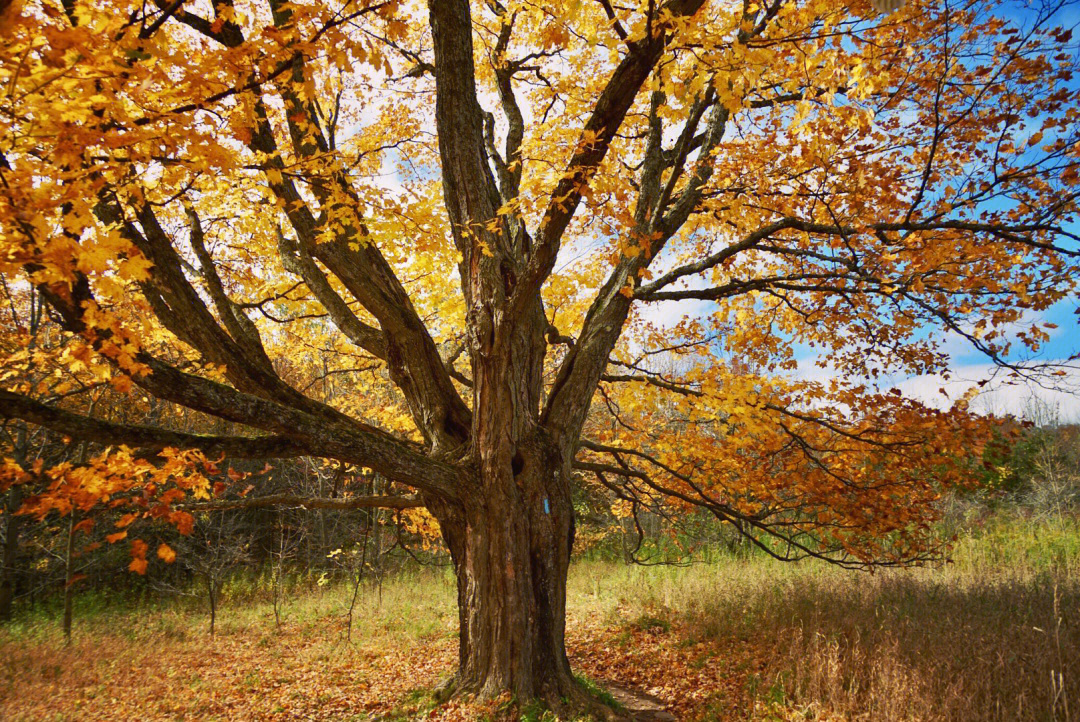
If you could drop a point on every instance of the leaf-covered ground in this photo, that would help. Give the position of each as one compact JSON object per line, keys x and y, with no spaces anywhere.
{"x":993,"y":636}
{"x":308,"y":671}
{"x":288,"y":675}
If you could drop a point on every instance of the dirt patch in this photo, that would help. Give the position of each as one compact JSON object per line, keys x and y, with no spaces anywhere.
{"x":644,"y":707}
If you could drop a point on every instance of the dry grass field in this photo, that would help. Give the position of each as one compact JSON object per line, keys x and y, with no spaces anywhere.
{"x":994,"y":635}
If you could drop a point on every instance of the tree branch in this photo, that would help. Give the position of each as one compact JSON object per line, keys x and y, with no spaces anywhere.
{"x":297,"y":261}
{"x":86,"y":428}
{"x":312,"y":424}
{"x":236,"y":322}
{"x":413,"y":359}
{"x":593,"y":144}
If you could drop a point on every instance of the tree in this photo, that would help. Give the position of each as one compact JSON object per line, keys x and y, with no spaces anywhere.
{"x":31,"y":345}
{"x":201,"y":196}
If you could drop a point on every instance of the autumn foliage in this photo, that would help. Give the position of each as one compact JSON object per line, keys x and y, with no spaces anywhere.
{"x":516,"y":258}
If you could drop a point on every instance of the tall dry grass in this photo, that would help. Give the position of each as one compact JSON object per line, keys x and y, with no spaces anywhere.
{"x":993,"y":635}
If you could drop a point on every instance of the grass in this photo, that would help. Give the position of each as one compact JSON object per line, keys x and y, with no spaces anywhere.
{"x":994,"y":635}
{"x":597,"y":691}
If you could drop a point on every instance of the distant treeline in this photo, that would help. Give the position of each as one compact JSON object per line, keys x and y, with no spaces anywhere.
{"x":1033,"y":469}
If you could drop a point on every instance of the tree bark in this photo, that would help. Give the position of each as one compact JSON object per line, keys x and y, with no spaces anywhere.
{"x":510,"y":544}
{"x":12,"y":526}
{"x":69,"y":578}
{"x":211,"y":593}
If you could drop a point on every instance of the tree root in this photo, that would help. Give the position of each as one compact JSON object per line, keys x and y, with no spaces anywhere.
{"x":578,"y":701}
{"x":568,"y":699}
{"x":446,"y":689}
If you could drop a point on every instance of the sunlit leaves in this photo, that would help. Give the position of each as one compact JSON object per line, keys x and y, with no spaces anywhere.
{"x":917,"y":171}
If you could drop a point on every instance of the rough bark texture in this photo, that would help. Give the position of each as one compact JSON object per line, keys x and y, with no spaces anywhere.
{"x":511,"y":536}
{"x":511,"y":551}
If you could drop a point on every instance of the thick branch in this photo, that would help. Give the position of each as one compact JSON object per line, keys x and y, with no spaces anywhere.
{"x":471,"y":193}
{"x":297,"y":261}
{"x":595,"y":140}
{"x":582,"y":367}
{"x":334,"y":434}
{"x":414,"y":362}
{"x":85,"y":428}
{"x":179,"y":307}
{"x":314,"y":425}
{"x":236,"y":322}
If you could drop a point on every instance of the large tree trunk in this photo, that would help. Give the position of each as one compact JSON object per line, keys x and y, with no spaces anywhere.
{"x":511,"y":550}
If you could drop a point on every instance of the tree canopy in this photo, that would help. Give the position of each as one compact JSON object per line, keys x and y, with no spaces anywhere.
{"x":467,"y":246}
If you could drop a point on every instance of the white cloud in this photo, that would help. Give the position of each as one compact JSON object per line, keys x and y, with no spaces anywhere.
{"x":957,"y":345}
{"x":1001,"y":392}
{"x":1041,"y":398}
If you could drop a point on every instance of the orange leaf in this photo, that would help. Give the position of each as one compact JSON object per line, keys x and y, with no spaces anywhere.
{"x":172,"y":495}
{"x":184,"y":522}
{"x":138,"y":556}
{"x":166,"y":554}
{"x":113,"y":538}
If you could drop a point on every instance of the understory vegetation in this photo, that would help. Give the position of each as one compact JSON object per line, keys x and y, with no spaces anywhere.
{"x":387,"y":360}
{"x":992,"y":635}
{"x":710,"y":627}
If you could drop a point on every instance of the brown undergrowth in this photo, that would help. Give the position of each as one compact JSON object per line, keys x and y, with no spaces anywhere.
{"x":993,"y":636}
{"x":307,"y":671}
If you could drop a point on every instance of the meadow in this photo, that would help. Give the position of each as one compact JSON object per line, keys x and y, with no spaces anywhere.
{"x":297,"y":294}
{"x":992,"y":635}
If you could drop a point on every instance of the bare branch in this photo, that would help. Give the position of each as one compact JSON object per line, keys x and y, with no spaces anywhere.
{"x":306,"y":502}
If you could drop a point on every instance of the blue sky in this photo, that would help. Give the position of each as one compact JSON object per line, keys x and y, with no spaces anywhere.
{"x":1002,"y":393}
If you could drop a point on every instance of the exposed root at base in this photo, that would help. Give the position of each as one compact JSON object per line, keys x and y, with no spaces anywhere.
{"x":571,"y":700}
{"x":578,"y":701}
{"x":446,"y":689}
